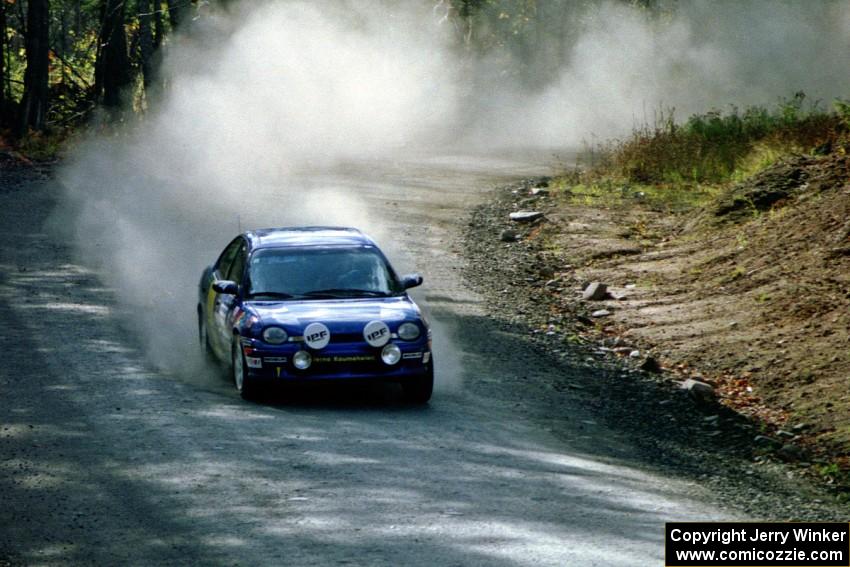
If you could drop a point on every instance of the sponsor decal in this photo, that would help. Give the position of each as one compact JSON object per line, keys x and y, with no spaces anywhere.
{"x":345,"y":358}
{"x":376,"y":333}
{"x":317,"y":336}
{"x":412,"y":355}
{"x":358,"y":358}
{"x":275,"y":359}
{"x":254,"y":362}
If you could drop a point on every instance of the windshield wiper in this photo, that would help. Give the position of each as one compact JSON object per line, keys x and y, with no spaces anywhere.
{"x":272,"y":294}
{"x":345,"y":292}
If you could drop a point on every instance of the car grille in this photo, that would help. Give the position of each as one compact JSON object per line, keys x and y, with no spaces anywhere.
{"x":347,"y":338}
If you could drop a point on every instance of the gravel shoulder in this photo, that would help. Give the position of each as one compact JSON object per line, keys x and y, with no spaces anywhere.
{"x":533,"y":284}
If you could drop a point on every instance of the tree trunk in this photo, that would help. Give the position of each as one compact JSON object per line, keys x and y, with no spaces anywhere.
{"x":158,"y":25}
{"x":4,"y":112}
{"x":8,"y":97}
{"x":146,"y":43}
{"x":98,"y":56}
{"x":178,"y":10}
{"x":114,"y":62}
{"x":63,"y":43}
{"x":35,"y":100}
{"x":78,"y":18}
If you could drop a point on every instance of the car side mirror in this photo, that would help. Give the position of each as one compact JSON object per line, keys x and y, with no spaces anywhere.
{"x":225,"y":287}
{"x":411,"y":280}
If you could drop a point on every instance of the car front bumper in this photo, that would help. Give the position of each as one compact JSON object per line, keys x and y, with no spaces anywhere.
{"x":335,"y":362}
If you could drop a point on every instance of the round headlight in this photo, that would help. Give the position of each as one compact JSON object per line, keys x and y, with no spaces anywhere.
{"x":302,"y":360}
{"x":275,"y":335}
{"x":391,"y":354}
{"x":408,"y":331}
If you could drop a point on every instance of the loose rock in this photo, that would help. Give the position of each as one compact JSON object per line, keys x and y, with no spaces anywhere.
{"x":789,"y":452}
{"x":600,"y":313}
{"x":525,"y":216}
{"x":651,"y":365}
{"x":840,"y":251}
{"x":767,"y":442}
{"x":699,"y":392}
{"x":508,"y":235}
{"x":596,"y":291}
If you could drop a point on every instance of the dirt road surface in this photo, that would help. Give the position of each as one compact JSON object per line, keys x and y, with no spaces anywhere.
{"x":106,"y":461}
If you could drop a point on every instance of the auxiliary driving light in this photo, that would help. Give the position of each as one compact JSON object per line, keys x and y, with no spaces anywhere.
{"x":391,"y":354}
{"x":302,"y":360}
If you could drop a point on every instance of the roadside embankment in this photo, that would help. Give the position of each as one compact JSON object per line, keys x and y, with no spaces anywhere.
{"x":746,"y":293}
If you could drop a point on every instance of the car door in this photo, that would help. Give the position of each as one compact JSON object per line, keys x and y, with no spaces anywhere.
{"x":224,"y":303}
{"x":213,"y":300}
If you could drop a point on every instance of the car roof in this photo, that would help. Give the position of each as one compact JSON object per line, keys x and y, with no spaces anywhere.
{"x":307,"y":236}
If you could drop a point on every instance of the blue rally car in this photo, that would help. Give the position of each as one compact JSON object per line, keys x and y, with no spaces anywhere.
{"x":313,"y":303}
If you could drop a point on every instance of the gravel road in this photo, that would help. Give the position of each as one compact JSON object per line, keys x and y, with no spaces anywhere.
{"x":106,"y":461}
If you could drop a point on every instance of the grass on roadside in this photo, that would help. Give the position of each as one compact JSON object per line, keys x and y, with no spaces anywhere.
{"x":676,"y":167}
{"x":36,"y":146}
{"x":604,"y":191}
{"x":717,"y":146}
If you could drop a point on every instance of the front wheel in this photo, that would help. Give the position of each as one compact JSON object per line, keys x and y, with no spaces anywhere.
{"x":245,"y":385}
{"x":204,"y":338}
{"x":419,"y":389}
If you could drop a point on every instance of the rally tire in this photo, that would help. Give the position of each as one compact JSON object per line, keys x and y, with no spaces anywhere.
{"x":245,"y":385}
{"x":204,"y":339}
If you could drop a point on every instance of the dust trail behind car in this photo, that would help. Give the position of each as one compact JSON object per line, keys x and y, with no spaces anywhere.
{"x":150,"y":204}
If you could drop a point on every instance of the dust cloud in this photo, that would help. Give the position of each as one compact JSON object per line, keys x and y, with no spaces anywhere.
{"x":259,"y":98}
{"x":610,"y":67}
{"x":256,"y":100}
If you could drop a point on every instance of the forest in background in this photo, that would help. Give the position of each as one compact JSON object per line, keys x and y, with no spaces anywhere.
{"x":61,"y":60}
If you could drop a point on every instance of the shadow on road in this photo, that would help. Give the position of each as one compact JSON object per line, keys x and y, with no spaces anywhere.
{"x":106,"y":461}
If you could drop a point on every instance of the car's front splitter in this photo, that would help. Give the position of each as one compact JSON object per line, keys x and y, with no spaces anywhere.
{"x":341,"y":363}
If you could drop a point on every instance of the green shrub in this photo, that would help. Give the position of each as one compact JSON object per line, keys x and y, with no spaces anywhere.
{"x":41,"y":146}
{"x":842,"y":107}
{"x":714,"y":146}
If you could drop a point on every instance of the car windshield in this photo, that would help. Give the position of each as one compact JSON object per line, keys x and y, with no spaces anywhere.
{"x":283,"y":273}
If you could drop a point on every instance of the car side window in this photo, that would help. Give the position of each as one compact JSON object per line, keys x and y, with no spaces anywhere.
{"x":237,"y":268}
{"x":226,"y":259}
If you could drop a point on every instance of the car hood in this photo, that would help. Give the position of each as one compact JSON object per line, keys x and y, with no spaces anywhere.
{"x":333,"y":312}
